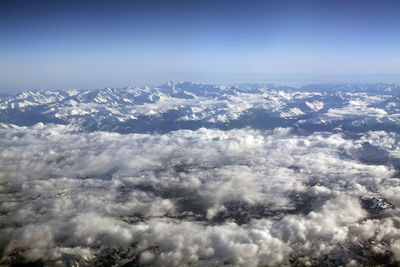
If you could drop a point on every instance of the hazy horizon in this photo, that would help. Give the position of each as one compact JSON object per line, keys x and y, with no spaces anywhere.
{"x":295,"y":80}
{"x":94,"y":44}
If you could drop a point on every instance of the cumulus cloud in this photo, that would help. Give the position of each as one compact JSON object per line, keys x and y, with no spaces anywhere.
{"x":242,"y":197}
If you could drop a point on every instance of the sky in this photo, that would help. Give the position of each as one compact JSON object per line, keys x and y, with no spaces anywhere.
{"x":94,"y":44}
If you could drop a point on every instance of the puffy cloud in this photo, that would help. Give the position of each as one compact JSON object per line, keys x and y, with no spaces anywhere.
{"x":241,"y":197}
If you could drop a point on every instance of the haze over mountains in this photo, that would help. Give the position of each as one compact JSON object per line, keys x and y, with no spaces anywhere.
{"x":189,"y":174}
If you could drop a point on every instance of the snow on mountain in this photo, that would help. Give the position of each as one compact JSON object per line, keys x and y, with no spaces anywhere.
{"x":315,"y":105}
{"x":187,"y":105}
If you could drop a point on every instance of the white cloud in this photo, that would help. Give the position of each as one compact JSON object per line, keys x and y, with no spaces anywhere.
{"x":171,"y":199}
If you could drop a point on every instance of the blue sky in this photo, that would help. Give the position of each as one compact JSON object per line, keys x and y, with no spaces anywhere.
{"x":93,"y":44}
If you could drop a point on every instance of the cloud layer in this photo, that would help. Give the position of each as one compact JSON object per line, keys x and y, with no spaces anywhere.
{"x":242,"y":197}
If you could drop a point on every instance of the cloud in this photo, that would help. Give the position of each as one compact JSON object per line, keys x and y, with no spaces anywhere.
{"x":242,"y":197}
